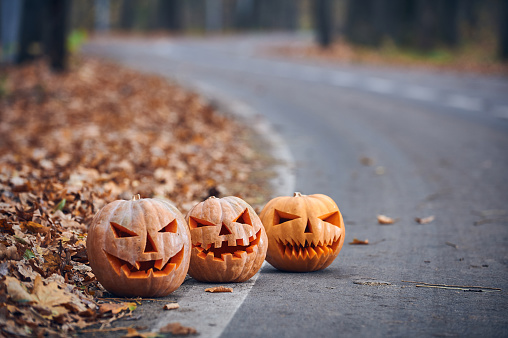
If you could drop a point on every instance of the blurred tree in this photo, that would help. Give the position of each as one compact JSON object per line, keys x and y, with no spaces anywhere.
{"x":10,"y":18}
{"x":503,"y":31}
{"x":31,"y":32}
{"x":448,"y":22}
{"x":323,"y":22}
{"x":56,"y":13}
{"x":169,"y":15}
{"x":214,"y":9}
{"x":127,"y":11}
{"x":102,"y":13}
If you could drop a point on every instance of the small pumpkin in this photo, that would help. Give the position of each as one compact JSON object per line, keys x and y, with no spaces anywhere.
{"x":139,"y":247}
{"x":305,"y":233}
{"x":229,"y":242}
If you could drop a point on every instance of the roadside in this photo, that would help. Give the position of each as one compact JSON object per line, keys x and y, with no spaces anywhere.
{"x":474,"y":59}
{"x":72,"y":143}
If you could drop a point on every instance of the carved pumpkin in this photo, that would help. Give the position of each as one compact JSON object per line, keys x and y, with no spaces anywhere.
{"x":139,"y":247}
{"x":305,"y":233}
{"x":228,"y":240}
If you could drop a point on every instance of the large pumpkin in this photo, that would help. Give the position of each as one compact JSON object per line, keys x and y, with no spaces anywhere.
{"x":305,"y":233}
{"x":228,"y":240}
{"x":139,"y":247}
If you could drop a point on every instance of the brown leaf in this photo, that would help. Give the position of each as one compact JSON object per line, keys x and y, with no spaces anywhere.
{"x":6,"y":227}
{"x":50,"y":296}
{"x":171,"y":306}
{"x":382,"y":219}
{"x":359,"y":242}
{"x":178,"y":330}
{"x":34,"y":227}
{"x":115,"y":308}
{"x":133,"y":333}
{"x":219,"y":289}
{"x":366,"y":161}
{"x":424,"y":220}
{"x":17,"y":291}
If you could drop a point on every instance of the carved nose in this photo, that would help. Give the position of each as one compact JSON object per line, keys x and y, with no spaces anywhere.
{"x":308,"y":228}
{"x":150,"y":246}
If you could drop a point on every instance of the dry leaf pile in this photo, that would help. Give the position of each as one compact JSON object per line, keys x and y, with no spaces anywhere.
{"x":71,"y":143}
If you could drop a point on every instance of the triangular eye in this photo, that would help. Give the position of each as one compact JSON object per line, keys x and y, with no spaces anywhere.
{"x":120,"y":231}
{"x":332,"y":218}
{"x":224,"y":230}
{"x":280,"y":217}
{"x":171,"y":227}
{"x":198,"y":223}
{"x":244,"y":218}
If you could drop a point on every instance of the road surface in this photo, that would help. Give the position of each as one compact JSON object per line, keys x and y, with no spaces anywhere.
{"x":398,"y":142}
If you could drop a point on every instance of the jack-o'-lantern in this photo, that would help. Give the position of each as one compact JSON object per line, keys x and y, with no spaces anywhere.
{"x":305,"y":233}
{"x":228,"y":240}
{"x":139,"y":247}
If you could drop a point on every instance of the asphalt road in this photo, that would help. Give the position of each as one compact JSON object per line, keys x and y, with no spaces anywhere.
{"x":437,"y":144}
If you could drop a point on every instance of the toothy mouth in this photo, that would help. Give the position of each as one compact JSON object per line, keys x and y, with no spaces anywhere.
{"x":236,"y":251}
{"x":307,"y":250}
{"x":143,"y":269}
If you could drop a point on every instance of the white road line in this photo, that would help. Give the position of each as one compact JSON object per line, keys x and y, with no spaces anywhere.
{"x":419,"y":93}
{"x":500,"y":111}
{"x":310,"y":74}
{"x":380,"y":85}
{"x":208,"y":313}
{"x":211,"y":313}
{"x":342,"y":79}
{"x":464,"y":102}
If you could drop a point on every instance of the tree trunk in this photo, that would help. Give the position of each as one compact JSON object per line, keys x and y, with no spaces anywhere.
{"x":10,"y":26}
{"x":127,"y":14}
{"x":323,"y":22}
{"x":55,"y":17}
{"x":102,"y":9}
{"x":30,"y":39}
{"x":213,"y":15}
{"x":503,"y":31}
{"x":426,"y":24}
{"x":449,"y":15}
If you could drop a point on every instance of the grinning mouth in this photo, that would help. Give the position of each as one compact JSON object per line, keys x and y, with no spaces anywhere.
{"x":143,"y":269}
{"x":224,"y":249}
{"x":307,"y":250}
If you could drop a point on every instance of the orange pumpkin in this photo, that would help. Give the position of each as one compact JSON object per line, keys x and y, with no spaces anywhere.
{"x":139,"y":247}
{"x":228,"y":240}
{"x":305,"y":233}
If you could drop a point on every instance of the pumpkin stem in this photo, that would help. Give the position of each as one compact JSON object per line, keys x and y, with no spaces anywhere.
{"x":136,"y":197}
{"x":297,"y":194}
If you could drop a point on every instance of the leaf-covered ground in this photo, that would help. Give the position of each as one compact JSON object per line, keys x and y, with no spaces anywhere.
{"x":71,"y":143}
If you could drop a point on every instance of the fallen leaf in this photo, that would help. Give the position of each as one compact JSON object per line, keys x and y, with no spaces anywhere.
{"x":366,"y":161}
{"x":424,"y":220}
{"x":34,"y":227}
{"x":382,"y":219}
{"x":219,"y":289}
{"x":17,"y":291}
{"x":178,"y":330}
{"x":452,"y":245}
{"x":50,"y":296}
{"x":115,"y":308}
{"x":133,"y":333}
{"x":356,"y":241}
{"x":171,"y":306}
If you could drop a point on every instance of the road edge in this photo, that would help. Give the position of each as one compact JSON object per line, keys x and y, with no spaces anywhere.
{"x":282,"y":185}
